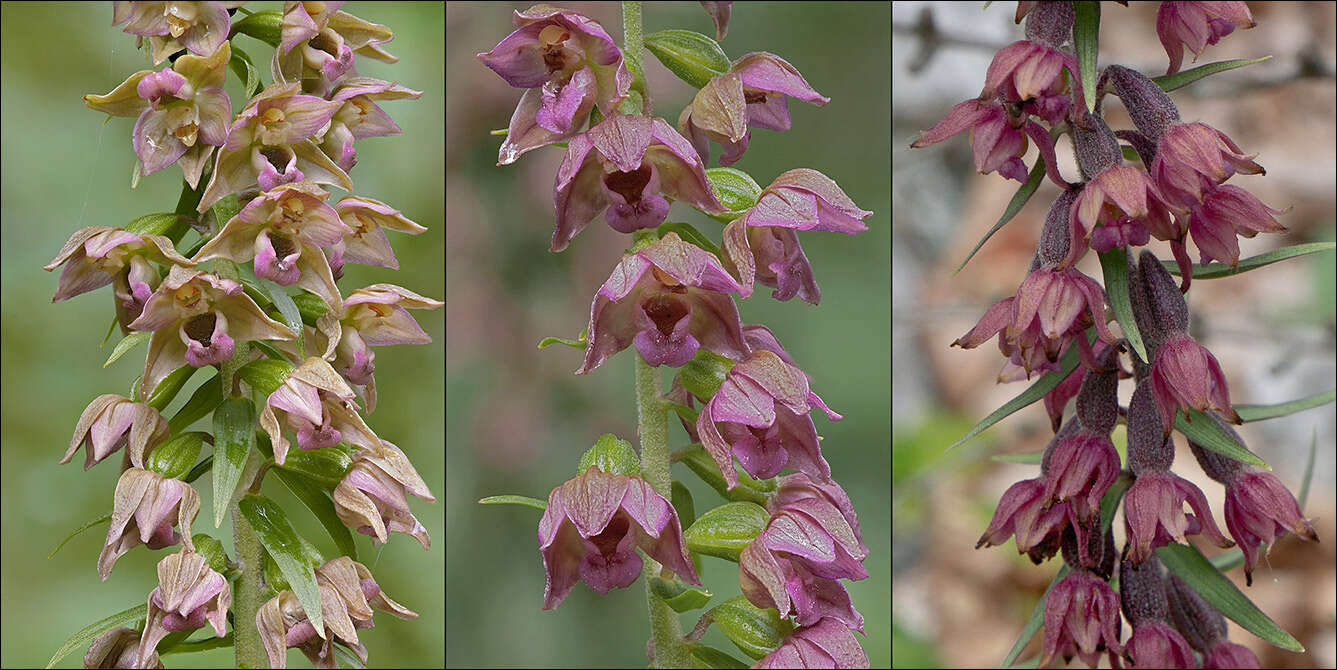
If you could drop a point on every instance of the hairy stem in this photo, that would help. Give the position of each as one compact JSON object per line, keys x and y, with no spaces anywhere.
{"x":633,"y":52}
{"x":246,"y":596}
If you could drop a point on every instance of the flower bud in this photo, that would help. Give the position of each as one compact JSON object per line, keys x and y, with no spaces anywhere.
{"x":703,"y":374}
{"x":175,"y":457}
{"x":118,"y":648}
{"x":1055,"y":242}
{"x":756,"y":632}
{"x":1152,"y":111}
{"x":610,"y":455}
{"x":693,"y":57}
{"x":1096,"y":146}
{"x":726,"y":530}
{"x":1050,"y":23}
{"x":826,"y":644}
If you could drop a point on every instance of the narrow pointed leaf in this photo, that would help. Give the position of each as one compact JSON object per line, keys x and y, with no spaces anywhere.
{"x":201,"y":402}
{"x":349,"y":657}
{"x":285,"y":548}
{"x":292,"y":317}
{"x":234,"y":436}
{"x":1086,"y":42}
{"x":318,"y":501}
{"x":111,"y":327}
{"x":691,"y":56}
{"x":81,"y":639}
{"x":1044,"y":385}
{"x":1217,"y":270}
{"x":514,"y":500}
{"x":1013,"y":206}
{"x":1229,"y":560}
{"x":1205,"y":432}
{"x":244,"y":68}
{"x":1024,"y":458}
{"x":1192,"y":567}
{"x":200,"y":468}
{"x":204,"y":644}
{"x":126,"y":344}
{"x":167,"y":389}
{"x":95,"y":522}
{"x":1261,"y":412}
{"x":1171,"y":82}
{"x":1309,"y":470}
{"x":679,"y":596}
{"x":1114,"y":264}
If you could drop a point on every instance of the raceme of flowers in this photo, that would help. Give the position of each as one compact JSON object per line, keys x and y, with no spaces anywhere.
{"x":1033,"y":93}
{"x":294,"y":370}
{"x":672,"y":298}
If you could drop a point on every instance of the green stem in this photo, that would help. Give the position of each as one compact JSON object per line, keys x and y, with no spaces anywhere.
{"x":249,"y":652}
{"x":633,"y":53}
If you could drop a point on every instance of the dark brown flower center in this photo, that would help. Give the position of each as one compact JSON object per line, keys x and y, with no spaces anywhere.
{"x":629,"y":185}
{"x":665,"y":312}
{"x":283,"y":247}
{"x":612,"y":534}
{"x":201,"y":328}
{"x":753,"y":97}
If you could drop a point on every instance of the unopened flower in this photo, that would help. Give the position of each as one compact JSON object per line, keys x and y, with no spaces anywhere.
{"x":1122,"y":197}
{"x":761,"y":245}
{"x":201,"y":27}
{"x":283,"y":230}
{"x":1224,"y":213}
{"x":316,"y":404}
{"x":772,"y":579}
{"x":825,"y":644}
{"x":592,"y":526}
{"x":568,"y":64}
{"x":1197,"y":24}
{"x":318,"y":43}
{"x":1194,"y":157}
{"x":188,"y":594}
{"x":754,"y":93}
{"x":760,"y":415}
{"x":1203,"y":627}
{"x":1082,"y":619}
{"x":670,"y":299}
{"x":822,"y":497}
{"x":199,"y":319}
{"x":1157,"y":645}
{"x":111,"y":422}
{"x":814,"y":532}
{"x":271,"y":142}
{"x":367,"y":244}
{"x":98,"y":255}
{"x":629,"y":166}
{"x":372,"y":498}
{"x":360,"y":117}
{"x":145,"y":508}
{"x":118,"y":648}
{"x":183,"y":112}
{"x":1081,"y":469}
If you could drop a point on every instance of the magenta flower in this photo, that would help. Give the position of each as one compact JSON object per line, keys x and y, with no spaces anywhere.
{"x":182,"y":112}
{"x":568,"y":64}
{"x":591,"y":527}
{"x":1193,"y":158}
{"x":997,"y":138}
{"x":814,"y":531}
{"x":372,"y":498}
{"x":145,"y":508}
{"x":367,"y":244}
{"x":753,"y":93}
{"x":1260,"y":509}
{"x":111,"y":422}
{"x":825,"y":644}
{"x":1154,"y":515}
{"x":771,"y":579}
{"x":630,"y":166}
{"x":97,"y":255}
{"x":761,"y":245}
{"x":188,"y":594}
{"x":316,"y":404}
{"x":1027,"y":70}
{"x":318,"y":43}
{"x":271,"y":142}
{"x":823,"y":498}
{"x":199,"y":319}
{"x":1225,"y":212}
{"x":1197,"y":24}
{"x":282,"y":230}
{"x":760,"y":415}
{"x":1023,"y":511}
{"x":1156,"y":645}
{"x":669,"y":299}
{"x":1183,"y":375}
{"x":1081,"y":469}
{"x":1082,"y":619}
{"x":375,"y":315}
{"x":201,"y":27}
{"x":1124,"y":198}
{"x":360,"y":117}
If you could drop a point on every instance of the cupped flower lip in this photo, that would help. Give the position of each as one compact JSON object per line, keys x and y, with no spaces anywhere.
{"x":145,"y":508}
{"x":320,"y":404}
{"x":189,"y":593}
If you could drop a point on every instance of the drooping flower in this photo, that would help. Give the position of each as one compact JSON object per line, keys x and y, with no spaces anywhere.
{"x":629,"y":166}
{"x":360,"y":117}
{"x":372,"y":497}
{"x":811,"y":529}
{"x":271,"y":142}
{"x":1193,"y":158}
{"x":118,"y":648}
{"x":183,"y":112}
{"x":593,"y":524}
{"x":111,"y":422}
{"x":367,"y":244}
{"x":199,"y":319}
{"x":754,"y":93}
{"x":317,"y":405}
{"x":188,"y":594}
{"x":1124,"y":198}
{"x":669,"y":299}
{"x":145,"y":508}
{"x":1260,"y":509}
{"x":823,"y":497}
{"x":98,"y":255}
{"x":1154,"y":643}
{"x":771,"y":579}
{"x":568,"y":64}
{"x":1029,"y":70}
{"x":761,"y":245}
{"x":825,"y":644}
{"x":1197,"y":24}
{"x":1154,"y":513}
{"x":282,"y":230}
{"x":997,"y":137}
{"x":1225,"y":213}
{"x":1185,"y":375}
{"x":318,"y":43}
{"x":1081,"y":619}
{"x":760,"y":415}
{"x":201,"y":27}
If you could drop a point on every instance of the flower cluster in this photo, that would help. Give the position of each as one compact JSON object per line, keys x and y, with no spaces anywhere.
{"x":1177,"y":193}
{"x":672,"y":297}
{"x":291,"y":367}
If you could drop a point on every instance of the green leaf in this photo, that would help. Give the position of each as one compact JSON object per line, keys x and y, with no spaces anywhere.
{"x":689,"y":233}
{"x":269,"y":350}
{"x":200,"y":468}
{"x":202,"y":401}
{"x":736,"y":190}
{"x":1309,"y":470}
{"x":204,"y":644}
{"x":1130,"y":154}
{"x":1114,"y":264}
{"x":680,"y":597}
{"x":611,"y":455}
{"x":161,"y":223}
{"x":1171,"y":82}
{"x":311,"y":307}
{"x":1036,"y":391}
{"x":234,"y":436}
{"x":318,"y":501}
{"x":265,"y":26}
{"x":325,"y":467}
{"x":1191,"y":566}
{"x":244,"y":68}
{"x":349,"y":657}
{"x":684,"y":412}
{"x":167,"y":389}
{"x":95,"y":522}
{"x":1217,"y":270}
{"x":693,"y":57}
{"x":710,"y":658}
{"x":725,"y":531}
{"x":1013,"y":206}
{"x":1206,"y":433}
{"x":1086,"y":42}
{"x":578,"y":343}
{"x":1225,"y":562}
{"x":266,"y":375}
{"x":681,"y":498}
{"x":111,"y":327}
{"x":1025,"y":458}
{"x":285,"y":548}
{"x":224,"y":210}
{"x":1260,"y":412}
{"x":292,"y":317}
{"x":126,"y":344}
{"x":85,"y":635}
{"x":514,"y":500}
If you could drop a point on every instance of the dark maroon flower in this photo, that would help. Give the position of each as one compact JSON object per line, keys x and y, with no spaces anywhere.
{"x":1226,"y":213}
{"x":1153,"y":510}
{"x":1157,"y":645}
{"x":1260,"y":509}
{"x":1197,"y":24}
{"x":1082,"y":619}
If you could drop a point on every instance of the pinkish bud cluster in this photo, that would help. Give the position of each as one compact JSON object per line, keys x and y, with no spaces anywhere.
{"x":671,"y":297}
{"x":1177,"y":192}
{"x":294,"y":369}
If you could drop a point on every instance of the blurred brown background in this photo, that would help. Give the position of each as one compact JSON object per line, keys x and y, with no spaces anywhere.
{"x":1273,"y":329}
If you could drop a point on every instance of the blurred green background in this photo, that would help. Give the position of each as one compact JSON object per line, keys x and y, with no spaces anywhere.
{"x":518,"y":419}
{"x":64,"y":170}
